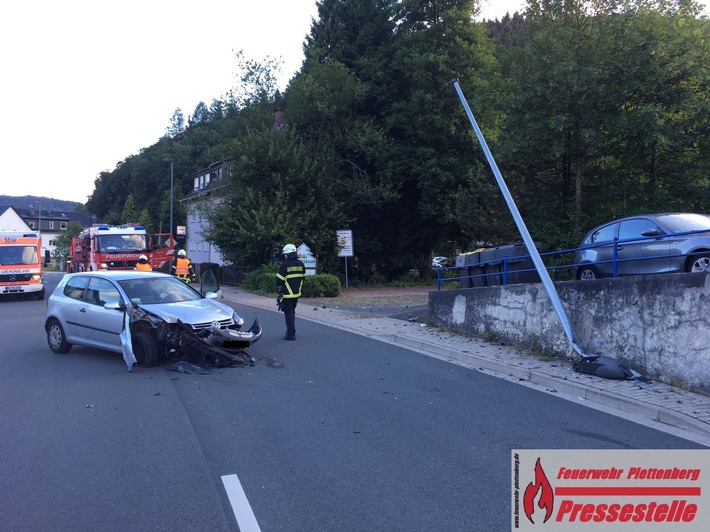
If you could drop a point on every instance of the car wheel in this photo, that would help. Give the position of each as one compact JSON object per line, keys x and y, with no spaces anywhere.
{"x":587,"y":273}
{"x":40,"y":295}
{"x":699,"y":263}
{"x":145,"y":348}
{"x":56,"y":338}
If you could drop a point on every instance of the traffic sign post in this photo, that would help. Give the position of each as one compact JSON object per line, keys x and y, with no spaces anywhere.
{"x":345,"y":248}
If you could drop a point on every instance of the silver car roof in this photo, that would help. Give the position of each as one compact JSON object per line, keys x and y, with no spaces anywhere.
{"x":121,"y":275}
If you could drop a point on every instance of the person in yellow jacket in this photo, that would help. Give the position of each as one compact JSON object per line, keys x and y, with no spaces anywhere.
{"x":143,"y":265}
{"x":183,"y":268}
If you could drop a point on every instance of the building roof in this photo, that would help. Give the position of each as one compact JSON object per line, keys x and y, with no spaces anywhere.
{"x":214,"y":184}
{"x":85,"y":219}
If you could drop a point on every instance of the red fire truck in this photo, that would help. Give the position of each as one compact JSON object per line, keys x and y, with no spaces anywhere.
{"x":107,"y":247}
{"x":21,"y":264}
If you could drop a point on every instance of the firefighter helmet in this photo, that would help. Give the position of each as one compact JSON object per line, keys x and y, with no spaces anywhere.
{"x":143,"y":258}
{"x":182,"y":253}
{"x":289,"y":248}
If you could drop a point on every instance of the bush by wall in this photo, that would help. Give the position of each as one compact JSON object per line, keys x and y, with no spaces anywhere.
{"x":263,"y":281}
{"x":321,"y":285}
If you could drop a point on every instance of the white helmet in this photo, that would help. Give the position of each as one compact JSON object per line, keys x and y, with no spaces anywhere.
{"x":289,"y":248}
{"x":182,"y":253}
{"x":143,"y":257}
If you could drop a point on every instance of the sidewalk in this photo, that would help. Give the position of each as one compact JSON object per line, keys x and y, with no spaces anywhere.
{"x":653,"y":404}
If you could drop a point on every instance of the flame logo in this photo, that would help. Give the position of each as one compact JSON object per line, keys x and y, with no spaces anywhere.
{"x":542,"y":486}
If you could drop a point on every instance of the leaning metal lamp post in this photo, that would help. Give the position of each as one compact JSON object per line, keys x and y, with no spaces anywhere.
{"x":172,"y":162}
{"x":601,"y":366}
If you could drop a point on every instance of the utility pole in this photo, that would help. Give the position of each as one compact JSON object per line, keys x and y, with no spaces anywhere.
{"x":172,"y":162}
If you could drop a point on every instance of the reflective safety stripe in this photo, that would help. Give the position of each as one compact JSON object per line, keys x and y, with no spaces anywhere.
{"x":293,"y":282}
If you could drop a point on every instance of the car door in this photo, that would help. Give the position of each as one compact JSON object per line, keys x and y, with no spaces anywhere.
{"x":602,"y":254}
{"x":208,"y":283}
{"x":68,"y":307}
{"x":640,"y":255}
{"x":101,"y":327}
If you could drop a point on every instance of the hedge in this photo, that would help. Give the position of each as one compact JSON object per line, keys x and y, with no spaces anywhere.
{"x":263,"y":281}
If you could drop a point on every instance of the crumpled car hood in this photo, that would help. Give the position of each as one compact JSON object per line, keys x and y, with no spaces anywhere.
{"x":192,"y":312}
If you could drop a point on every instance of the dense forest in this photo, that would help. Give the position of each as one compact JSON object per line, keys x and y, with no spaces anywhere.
{"x":592,"y":109}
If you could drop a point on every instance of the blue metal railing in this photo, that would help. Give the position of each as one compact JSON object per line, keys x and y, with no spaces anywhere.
{"x":502,"y":270}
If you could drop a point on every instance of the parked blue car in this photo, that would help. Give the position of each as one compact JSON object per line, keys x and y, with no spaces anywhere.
{"x":646,"y":244}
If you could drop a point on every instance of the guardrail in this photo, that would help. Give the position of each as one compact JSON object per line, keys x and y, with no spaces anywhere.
{"x":510,"y":269}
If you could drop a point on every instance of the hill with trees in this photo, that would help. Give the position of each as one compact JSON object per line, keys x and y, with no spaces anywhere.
{"x":592,"y":110}
{"x":47,"y":204}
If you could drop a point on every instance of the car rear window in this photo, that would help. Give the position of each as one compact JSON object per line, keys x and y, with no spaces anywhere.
{"x":74,"y":288}
{"x":603,"y":234}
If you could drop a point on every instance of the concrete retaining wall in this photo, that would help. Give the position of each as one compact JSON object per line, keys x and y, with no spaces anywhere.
{"x":658,"y":325}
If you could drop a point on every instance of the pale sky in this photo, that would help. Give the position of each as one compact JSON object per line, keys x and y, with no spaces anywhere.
{"x":87,"y":83}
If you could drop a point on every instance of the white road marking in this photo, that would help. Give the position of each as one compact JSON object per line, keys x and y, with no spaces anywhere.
{"x":240,"y":505}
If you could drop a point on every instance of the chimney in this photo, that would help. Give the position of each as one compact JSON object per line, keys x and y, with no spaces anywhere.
{"x":279,"y":120}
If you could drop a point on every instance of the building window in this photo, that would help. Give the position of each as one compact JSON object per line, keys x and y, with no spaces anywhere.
{"x":51,"y":225}
{"x":62,"y":225}
{"x":32,"y":225}
{"x":51,"y":243}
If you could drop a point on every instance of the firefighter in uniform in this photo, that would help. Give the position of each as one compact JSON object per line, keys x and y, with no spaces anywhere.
{"x":143,"y":265}
{"x":182,"y":267}
{"x":289,"y":279}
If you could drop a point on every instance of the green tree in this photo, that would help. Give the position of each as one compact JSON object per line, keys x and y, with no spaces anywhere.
{"x":146,"y":221}
{"x":560,"y":106}
{"x":62,"y":243}
{"x":128,"y":214}
{"x":436,"y":162}
{"x":278,"y":194}
{"x":595,"y":111}
{"x":658,"y":82}
{"x":176,"y":125}
{"x":336,"y":104}
{"x":200,"y":115}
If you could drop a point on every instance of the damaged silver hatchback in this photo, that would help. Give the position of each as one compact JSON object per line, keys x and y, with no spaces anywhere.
{"x":148,"y":316}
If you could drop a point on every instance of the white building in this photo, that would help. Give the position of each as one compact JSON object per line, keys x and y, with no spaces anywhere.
{"x":208,"y":185}
{"x":50,"y":224}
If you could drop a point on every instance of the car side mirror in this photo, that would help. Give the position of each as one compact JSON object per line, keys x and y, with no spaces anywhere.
{"x":115,"y":305}
{"x":651,"y":232}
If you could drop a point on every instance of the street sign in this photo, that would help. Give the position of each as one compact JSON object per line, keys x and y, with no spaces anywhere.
{"x":305,"y":255}
{"x":345,"y":243}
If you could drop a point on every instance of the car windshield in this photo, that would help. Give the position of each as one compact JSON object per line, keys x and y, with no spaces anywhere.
{"x":682,"y":223}
{"x":113,"y":243}
{"x":18,"y":255}
{"x":158,"y":290}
